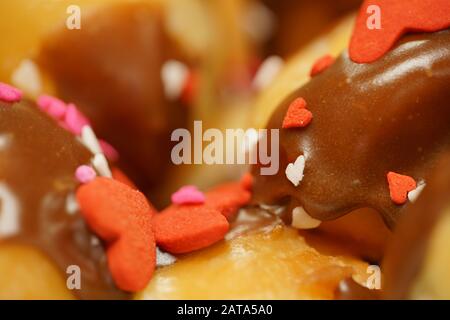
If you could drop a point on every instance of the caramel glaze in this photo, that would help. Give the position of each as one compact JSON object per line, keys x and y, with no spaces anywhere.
{"x":37,"y":164}
{"x":369,"y":119}
{"x":111,"y":69}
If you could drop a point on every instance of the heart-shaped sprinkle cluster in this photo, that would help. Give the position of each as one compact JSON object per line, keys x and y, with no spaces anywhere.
{"x":128,"y":224}
{"x":121,"y":217}
{"x":297,"y":116}
{"x":396,"y":19}
{"x":189,"y":227}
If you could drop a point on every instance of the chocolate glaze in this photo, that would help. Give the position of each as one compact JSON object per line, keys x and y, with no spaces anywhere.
{"x":252,"y":220}
{"x":37,"y":164}
{"x":349,"y":289}
{"x":111,"y":69}
{"x":406,"y":254}
{"x":369,"y":119}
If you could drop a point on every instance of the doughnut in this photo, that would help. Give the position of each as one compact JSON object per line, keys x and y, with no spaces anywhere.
{"x":371,"y":134}
{"x":93,"y":207}
{"x":258,"y":264}
{"x":314,"y":18}
{"x":374,"y":96}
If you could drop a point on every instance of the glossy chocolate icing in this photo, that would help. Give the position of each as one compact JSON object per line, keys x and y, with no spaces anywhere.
{"x":111,"y":69}
{"x":252,"y":220}
{"x":349,"y":289}
{"x":369,"y":119}
{"x":406,"y":254}
{"x":38,"y":159}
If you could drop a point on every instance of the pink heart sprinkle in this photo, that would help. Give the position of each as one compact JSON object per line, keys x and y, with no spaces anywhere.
{"x":110,"y":152}
{"x":74,"y":119}
{"x":84,"y":174}
{"x":9,"y":93}
{"x":52,"y":106}
{"x":188,"y":195}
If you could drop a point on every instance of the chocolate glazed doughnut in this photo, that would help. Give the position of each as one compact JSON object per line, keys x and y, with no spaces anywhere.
{"x":111,"y":69}
{"x":369,"y":119}
{"x":37,"y":165}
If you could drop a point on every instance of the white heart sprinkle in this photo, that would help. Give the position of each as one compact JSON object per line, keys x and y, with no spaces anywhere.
{"x":302,"y":220}
{"x":27,"y":77}
{"x":267,"y":72}
{"x":414,"y":194}
{"x":173,"y":76}
{"x":294,"y":171}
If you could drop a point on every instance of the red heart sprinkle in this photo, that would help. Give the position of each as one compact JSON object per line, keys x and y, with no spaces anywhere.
{"x":228,"y":198}
{"x":186,"y":228}
{"x":297,"y":116}
{"x":321,"y":65}
{"x":190,"y":88}
{"x":247,"y":181}
{"x":397,"y":18}
{"x":182,"y":229}
{"x":399,"y":186}
{"x":121,"y":217}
